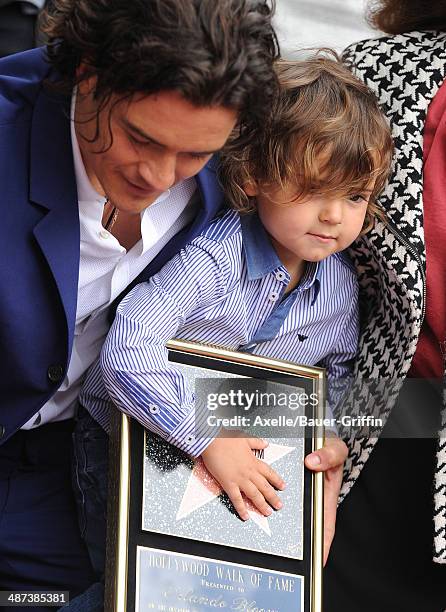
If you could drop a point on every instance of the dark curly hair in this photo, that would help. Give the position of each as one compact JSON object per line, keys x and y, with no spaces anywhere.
{"x":212,"y":52}
{"x":399,"y":16}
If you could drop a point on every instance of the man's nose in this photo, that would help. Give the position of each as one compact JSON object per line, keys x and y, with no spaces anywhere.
{"x":159,"y":172}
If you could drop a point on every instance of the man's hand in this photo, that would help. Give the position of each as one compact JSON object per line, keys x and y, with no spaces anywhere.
{"x":233,"y":464}
{"x":330,"y":460}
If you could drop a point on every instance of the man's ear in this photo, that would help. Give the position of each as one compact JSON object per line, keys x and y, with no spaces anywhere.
{"x":251,"y":189}
{"x":85,"y":85}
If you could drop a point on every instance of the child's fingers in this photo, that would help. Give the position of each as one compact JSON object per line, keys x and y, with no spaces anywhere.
{"x":236,"y":498}
{"x":271,"y":476}
{"x":268,"y":492}
{"x":252,"y":492}
{"x":257,"y":443}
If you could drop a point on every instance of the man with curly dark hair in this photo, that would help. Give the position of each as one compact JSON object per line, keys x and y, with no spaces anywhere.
{"x":108,"y":139}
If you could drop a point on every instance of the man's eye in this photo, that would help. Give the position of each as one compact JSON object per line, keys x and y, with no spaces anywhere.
{"x":137,"y":141}
{"x":199,"y":156}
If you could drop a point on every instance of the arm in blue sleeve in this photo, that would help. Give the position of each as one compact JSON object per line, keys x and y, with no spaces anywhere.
{"x":134,"y":360}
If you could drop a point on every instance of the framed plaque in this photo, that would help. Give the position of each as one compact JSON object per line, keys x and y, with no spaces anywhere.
{"x":175,"y":542}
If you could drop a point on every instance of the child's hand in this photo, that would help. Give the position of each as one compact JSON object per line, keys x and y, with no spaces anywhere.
{"x":233,"y":464}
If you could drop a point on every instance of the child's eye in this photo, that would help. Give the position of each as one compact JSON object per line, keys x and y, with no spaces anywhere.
{"x":357,"y":197}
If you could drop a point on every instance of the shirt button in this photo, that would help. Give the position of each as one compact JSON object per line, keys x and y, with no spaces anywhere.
{"x":55,"y":373}
{"x":273,"y":296}
{"x":104,"y":234}
{"x":250,"y":345}
{"x":2,"y":431}
{"x":189,"y":439}
{"x":153,"y":409}
{"x":280,"y":276}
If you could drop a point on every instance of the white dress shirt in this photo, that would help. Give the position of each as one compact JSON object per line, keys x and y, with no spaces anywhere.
{"x":105,"y":269}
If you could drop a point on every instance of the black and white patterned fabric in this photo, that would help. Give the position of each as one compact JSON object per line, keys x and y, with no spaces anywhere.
{"x":405,"y":72}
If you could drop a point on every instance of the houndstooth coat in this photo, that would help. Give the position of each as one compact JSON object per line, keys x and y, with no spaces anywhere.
{"x":405,"y":72}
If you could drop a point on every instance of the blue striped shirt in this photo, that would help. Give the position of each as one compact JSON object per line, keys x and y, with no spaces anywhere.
{"x":227,"y":288}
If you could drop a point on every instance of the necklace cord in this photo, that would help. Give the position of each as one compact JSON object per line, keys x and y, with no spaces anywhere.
{"x":112,"y":217}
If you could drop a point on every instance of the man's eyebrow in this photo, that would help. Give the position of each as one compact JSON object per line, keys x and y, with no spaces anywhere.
{"x":142,"y":134}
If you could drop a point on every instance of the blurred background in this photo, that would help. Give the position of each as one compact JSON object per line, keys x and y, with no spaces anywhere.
{"x":320,"y":23}
{"x":18,"y":25}
{"x":299,"y":23}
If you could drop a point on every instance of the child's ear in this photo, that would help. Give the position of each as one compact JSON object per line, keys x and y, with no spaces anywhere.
{"x":251,"y":189}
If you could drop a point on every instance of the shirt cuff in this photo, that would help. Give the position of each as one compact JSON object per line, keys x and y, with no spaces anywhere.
{"x":193,"y":435}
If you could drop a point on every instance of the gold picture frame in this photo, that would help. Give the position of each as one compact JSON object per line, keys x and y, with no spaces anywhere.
{"x":146,"y":547}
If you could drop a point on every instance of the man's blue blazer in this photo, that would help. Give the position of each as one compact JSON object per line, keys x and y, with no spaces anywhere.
{"x":39,"y":237}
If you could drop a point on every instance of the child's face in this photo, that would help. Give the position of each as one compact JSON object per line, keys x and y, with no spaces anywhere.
{"x":312,"y":229}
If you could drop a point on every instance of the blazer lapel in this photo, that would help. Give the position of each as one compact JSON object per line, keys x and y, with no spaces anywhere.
{"x":53,"y":186}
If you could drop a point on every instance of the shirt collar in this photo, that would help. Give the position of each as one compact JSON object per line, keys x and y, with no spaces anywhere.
{"x":85,"y":190}
{"x":312,"y":278}
{"x":262,"y":259}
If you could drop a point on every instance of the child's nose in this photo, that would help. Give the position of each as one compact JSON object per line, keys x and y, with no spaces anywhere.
{"x":331,"y":211}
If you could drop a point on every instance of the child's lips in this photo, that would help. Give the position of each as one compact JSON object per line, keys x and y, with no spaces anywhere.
{"x":322,"y":237}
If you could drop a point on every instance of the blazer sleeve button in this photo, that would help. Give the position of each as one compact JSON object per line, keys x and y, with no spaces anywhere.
{"x":55,"y":373}
{"x":2,"y":431}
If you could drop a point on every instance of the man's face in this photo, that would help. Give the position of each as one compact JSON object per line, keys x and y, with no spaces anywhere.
{"x":158,"y":141}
